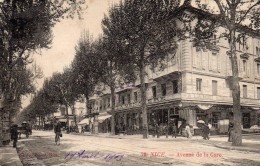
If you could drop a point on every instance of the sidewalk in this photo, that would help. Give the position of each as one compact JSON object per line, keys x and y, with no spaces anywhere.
{"x":9,"y":156}
{"x":251,"y":142}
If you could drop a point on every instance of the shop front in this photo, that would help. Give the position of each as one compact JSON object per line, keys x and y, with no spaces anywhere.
{"x":104,"y":124}
{"x":129,"y":122}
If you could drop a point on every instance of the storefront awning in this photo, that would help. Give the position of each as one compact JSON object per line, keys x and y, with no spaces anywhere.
{"x":102,"y":118}
{"x":84,"y":122}
{"x":204,"y":106}
{"x":255,"y":108}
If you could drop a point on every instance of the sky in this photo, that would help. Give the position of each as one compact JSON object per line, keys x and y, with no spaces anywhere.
{"x":65,"y":37}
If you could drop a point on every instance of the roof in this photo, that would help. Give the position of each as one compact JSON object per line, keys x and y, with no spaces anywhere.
{"x":214,"y":17}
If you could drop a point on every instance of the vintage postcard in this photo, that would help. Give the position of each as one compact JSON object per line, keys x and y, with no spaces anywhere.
{"x":129,"y":82}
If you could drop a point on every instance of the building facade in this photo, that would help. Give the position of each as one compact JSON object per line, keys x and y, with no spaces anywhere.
{"x":194,"y":84}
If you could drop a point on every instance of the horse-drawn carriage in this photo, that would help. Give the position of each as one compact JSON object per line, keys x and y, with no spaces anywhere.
{"x":25,"y":129}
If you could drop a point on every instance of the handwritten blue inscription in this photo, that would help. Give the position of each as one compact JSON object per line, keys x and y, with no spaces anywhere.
{"x":87,"y":154}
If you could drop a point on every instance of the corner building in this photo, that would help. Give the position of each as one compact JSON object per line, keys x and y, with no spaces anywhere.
{"x":195,"y":84}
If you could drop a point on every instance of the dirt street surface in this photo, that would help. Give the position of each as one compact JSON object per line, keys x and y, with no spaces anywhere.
{"x":40,"y":149}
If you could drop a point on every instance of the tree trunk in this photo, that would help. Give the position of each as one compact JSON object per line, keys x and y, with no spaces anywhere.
{"x":143,"y":101}
{"x":39,"y":122}
{"x":113,"y":100}
{"x":67,"y":117}
{"x":236,"y":134}
{"x":74,"y":116}
{"x":88,"y":111}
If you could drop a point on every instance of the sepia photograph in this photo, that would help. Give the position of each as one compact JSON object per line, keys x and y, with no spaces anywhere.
{"x":129,"y":83}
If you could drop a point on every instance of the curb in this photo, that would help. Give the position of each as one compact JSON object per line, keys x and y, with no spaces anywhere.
{"x":9,"y":156}
{"x":237,"y":148}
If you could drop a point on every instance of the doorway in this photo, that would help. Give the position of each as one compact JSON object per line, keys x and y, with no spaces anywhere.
{"x":246,"y":120}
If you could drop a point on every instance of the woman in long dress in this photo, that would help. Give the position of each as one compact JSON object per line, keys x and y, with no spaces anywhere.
{"x":187,"y":129}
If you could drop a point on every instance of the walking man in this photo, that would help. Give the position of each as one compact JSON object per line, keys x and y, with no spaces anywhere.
{"x":14,"y":134}
{"x":57,"y":131}
{"x":174,"y":130}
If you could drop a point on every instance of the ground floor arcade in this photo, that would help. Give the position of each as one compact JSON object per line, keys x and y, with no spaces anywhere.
{"x":216,"y":115}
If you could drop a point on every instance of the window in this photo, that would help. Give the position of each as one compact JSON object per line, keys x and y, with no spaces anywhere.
{"x":154,"y":91}
{"x":258,"y":69}
{"x":244,"y":66}
{"x":123,"y":99}
{"x":198,"y":57}
{"x":129,"y":98}
{"x":200,"y":115}
{"x":135,"y":96}
{"x":175,"y":86}
{"x":258,"y":92}
{"x":242,"y":44}
{"x":198,"y":84}
{"x":258,"y":51}
{"x":244,"y":91}
{"x":214,"y":61}
{"x":163,"y":89}
{"x":214,"y":87}
{"x":215,"y":119}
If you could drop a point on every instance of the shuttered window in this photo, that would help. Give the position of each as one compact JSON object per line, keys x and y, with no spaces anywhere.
{"x":163,"y":89}
{"x":258,"y":92}
{"x":244,"y":91}
{"x":214,"y":88}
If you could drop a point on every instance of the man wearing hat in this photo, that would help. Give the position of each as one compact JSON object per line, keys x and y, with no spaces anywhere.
{"x":14,"y":134}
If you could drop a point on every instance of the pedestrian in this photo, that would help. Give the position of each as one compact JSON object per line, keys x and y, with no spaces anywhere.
{"x":188,"y":132}
{"x":166,"y":129}
{"x":174,"y":130}
{"x":205,"y":131}
{"x":153,"y":128}
{"x":57,"y":131}
{"x":157,"y":129}
{"x":82,"y":129}
{"x":230,"y":129}
{"x":14,"y":134}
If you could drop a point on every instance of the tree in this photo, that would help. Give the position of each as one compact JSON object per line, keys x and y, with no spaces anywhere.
{"x":25,"y":26}
{"x":21,"y":84}
{"x":86,"y":68}
{"x":142,"y":36}
{"x":240,"y":18}
{"x":111,"y":75}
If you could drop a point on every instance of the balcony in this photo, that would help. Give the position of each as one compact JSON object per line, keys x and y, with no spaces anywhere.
{"x":218,"y":99}
{"x":128,"y":106}
{"x":190,"y":98}
{"x":171,"y":71}
{"x":229,"y":77}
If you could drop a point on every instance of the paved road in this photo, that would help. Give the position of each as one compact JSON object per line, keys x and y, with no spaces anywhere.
{"x":40,"y":149}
